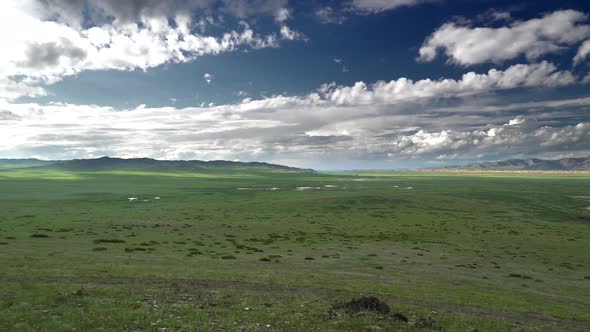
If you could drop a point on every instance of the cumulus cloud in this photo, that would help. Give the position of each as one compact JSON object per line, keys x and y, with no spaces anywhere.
{"x":377,"y":6}
{"x":517,"y":121}
{"x":44,"y":41}
{"x":289,"y":34}
{"x":282,"y":15}
{"x":508,"y":139}
{"x":403,"y":89}
{"x":468,"y":45}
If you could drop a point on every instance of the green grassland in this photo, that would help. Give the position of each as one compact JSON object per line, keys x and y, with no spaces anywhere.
{"x":222,"y":251}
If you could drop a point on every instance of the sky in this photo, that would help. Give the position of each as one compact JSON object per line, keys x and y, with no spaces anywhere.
{"x":349,"y":84}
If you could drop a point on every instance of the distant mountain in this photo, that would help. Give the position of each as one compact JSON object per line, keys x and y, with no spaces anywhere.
{"x":147,"y":164}
{"x":565,"y":164}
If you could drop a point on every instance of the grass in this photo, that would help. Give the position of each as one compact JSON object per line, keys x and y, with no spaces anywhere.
{"x":496,"y":252}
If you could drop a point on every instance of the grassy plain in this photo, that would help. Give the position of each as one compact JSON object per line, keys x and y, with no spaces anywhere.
{"x":464,"y":252}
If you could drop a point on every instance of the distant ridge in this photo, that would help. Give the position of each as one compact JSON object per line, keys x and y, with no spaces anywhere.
{"x":145,"y":164}
{"x":531,"y":164}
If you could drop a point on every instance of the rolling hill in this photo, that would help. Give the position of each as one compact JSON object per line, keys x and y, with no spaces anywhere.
{"x":145,"y":164}
{"x":565,"y":164}
{"x":22,"y":163}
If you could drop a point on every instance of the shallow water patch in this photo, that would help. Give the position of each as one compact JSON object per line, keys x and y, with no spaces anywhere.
{"x":307,"y":188}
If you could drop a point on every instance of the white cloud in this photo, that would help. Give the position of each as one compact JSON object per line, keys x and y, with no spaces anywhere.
{"x":517,"y":121}
{"x":403,"y":89}
{"x":466,"y":45}
{"x":288,"y":34}
{"x":377,"y":6}
{"x":506,"y":139}
{"x":208,"y":78}
{"x":282,"y":15}
{"x":328,"y":15}
{"x":583,"y":52}
{"x":37,"y":51}
{"x":12,"y":89}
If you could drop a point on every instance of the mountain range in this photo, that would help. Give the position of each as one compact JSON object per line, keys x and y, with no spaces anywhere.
{"x":144,"y":164}
{"x":565,"y":164}
{"x":154,"y":165}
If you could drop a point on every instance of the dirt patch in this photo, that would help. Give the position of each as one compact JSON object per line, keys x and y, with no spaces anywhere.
{"x":583,"y":219}
{"x":364,"y":304}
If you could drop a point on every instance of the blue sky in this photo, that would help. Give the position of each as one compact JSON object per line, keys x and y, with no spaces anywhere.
{"x":322,"y":84}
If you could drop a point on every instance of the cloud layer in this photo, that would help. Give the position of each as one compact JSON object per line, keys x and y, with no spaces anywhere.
{"x":396,"y":120}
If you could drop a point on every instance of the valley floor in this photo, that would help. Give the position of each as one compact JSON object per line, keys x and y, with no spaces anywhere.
{"x":135,"y":251}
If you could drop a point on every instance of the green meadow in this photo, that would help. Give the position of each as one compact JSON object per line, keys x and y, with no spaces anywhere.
{"x":249,"y":251}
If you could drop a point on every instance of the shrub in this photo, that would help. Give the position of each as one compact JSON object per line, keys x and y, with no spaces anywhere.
{"x":109,"y":241}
